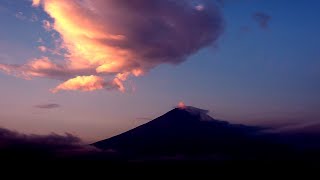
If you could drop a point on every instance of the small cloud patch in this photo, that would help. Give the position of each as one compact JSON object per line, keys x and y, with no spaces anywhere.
{"x":47,"y":106}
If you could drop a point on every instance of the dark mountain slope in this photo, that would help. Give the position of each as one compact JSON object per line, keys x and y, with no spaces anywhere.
{"x":190,"y":133}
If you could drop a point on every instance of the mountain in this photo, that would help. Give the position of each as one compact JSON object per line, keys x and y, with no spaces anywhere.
{"x":190,"y":133}
{"x":183,"y":141}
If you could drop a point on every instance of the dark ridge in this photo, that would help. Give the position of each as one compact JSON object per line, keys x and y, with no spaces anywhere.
{"x":190,"y":133}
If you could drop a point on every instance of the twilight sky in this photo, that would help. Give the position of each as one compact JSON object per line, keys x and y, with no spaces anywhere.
{"x":95,"y":68}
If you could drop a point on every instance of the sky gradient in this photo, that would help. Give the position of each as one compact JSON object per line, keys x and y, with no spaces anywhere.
{"x":245,"y":61}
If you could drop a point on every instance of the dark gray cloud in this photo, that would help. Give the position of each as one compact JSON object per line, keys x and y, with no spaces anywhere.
{"x":8,"y":138}
{"x":161,"y":31}
{"x":47,"y":106}
{"x":262,"y":19}
{"x":19,"y":146}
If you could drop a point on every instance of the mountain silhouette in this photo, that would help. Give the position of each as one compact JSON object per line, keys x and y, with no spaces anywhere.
{"x":190,"y":133}
{"x":184,"y":138}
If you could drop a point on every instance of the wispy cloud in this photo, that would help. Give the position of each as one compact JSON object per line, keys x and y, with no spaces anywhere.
{"x":42,"y":48}
{"x":34,"y":18}
{"x":20,"y":16}
{"x":118,"y":39}
{"x":47,"y":106}
{"x":262,"y":19}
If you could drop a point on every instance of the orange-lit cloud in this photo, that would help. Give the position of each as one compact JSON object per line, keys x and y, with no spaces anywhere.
{"x":88,"y":83}
{"x":82,"y":83}
{"x":181,"y":105}
{"x":39,"y":67}
{"x":103,"y":38}
{"x":35,"y":3}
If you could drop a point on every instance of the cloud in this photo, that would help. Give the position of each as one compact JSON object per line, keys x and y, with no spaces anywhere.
{"x":9,"y":138}
{"x":83,"y":83}
{"x":47,"y":25}
{"x":117,"y":38}
{"x":200,"y":7}
{"x":181,"y":105}
{"x":36,"y":3}
{"x":34,"y":18}
{"x":262,"y":19}
{"x":40,"y":40}
{"x":89,"y":83}
{"x":42,"y":48}
{"x":20,"y":16}
{"x":47,"y":106}
{"x":39,"y":67}
{"x":15,"y":145}
{"x":18,"y":146}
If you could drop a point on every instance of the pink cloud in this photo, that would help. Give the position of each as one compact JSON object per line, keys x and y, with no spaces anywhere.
{"x":36,"y":3}
{"x":88,"y":83}
{"x":122,"y":38}
{"x":42,"y":48}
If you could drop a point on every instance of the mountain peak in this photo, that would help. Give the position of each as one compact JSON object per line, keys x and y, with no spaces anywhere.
{"x":181,"y":130}
{"x":202,"y":114}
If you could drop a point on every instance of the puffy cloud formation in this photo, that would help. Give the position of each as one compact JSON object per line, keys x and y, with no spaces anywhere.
{"x":120,"y":38}
{"x":35,"y":3}
{"x":41,"y":67}
{"x":85,"y":83}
